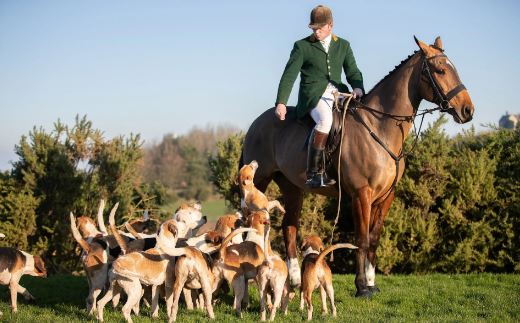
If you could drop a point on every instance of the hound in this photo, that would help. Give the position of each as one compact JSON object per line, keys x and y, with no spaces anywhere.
{"x":95,"y":258}
{"x":316,"y":273}
{"x":14,"y":264}
{"x":272,"y":277}
{"x":252,"y":198}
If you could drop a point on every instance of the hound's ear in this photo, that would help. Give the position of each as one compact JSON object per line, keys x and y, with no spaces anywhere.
{"x":304,"y":245}
{"x":238,"y":223}
{"x":197,"y":205}
{"x":39,"y":265}
{"x":173,"y":229}
{"x":438,"y":43}
{"x":425,"y":49}
{"x":249,"y":219}
{"x":214,"y":237}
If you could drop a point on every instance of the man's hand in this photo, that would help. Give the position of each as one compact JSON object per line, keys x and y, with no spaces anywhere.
{"x":281,"y":111}
{"x":357,"y":93}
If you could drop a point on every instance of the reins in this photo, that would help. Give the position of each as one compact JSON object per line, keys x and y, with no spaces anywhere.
{"x":443,"y":105}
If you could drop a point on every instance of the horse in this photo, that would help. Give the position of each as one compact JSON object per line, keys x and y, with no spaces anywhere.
{"x":371,"y":151}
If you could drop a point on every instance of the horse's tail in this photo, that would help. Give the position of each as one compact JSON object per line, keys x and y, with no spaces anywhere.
{"x":224,"y":244}
{"x":119,"y":239}
{"x":332,"y":248}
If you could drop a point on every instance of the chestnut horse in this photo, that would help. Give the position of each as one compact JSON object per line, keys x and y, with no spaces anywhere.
{"x":371,"y":151}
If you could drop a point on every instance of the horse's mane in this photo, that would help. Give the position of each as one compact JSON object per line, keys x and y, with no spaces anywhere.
{"x":392,"y":71}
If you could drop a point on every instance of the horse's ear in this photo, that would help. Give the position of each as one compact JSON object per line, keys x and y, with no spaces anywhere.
{"x":438,"y":43}
{"x":427,"y":51}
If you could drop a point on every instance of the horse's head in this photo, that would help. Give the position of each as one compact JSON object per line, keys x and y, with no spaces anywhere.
{"x":441,"y":84}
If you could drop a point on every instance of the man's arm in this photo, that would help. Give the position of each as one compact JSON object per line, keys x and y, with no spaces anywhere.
{"x":352,"y":72}
{"x":292,"y":68}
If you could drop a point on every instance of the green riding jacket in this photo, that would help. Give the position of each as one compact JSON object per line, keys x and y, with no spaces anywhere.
{"x":317,"y":69}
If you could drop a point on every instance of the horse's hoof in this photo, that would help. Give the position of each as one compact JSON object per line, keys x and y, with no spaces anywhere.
{"x":365,"y":293}
{"x":374,"y":289}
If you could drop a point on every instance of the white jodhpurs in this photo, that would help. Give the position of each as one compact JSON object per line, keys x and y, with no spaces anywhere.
{"x":322,"y":113}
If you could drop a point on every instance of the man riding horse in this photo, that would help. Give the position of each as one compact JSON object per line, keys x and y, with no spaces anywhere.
{"x":371,"y":150}
{"x":319,"y":58}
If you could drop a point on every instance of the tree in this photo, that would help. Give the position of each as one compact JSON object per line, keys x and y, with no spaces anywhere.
{"x":69,"y":169}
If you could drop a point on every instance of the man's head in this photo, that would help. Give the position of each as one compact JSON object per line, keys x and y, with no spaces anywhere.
{"x":321,"y":22}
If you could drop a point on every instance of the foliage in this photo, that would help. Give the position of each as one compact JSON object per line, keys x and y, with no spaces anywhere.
{"x":17,"y":214}
{"x":224,"y":168}
{"x":457,"y":205}
{"x":180,"y":163}
{"x":67,"y":169}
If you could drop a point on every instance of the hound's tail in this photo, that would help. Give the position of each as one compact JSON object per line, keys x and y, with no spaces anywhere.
{"x":132,"y":231}
{"x":332,"y":248}
{"x":77,"y":236}
{"x":119,"y":239}
{"x":223,"y":246}
{"x":101,"y":222}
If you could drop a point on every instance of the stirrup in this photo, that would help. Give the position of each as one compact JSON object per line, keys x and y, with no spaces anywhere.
{"x":317,"y":180}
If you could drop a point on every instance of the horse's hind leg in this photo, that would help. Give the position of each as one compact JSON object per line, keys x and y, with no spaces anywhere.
{"x":293,"y":198}
{"x":379,"y":214}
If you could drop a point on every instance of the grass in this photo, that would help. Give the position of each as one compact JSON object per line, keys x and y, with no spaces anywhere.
{"x":428,"y":298}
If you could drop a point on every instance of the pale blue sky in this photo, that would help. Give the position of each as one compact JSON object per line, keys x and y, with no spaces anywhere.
{"x":157,"y":67}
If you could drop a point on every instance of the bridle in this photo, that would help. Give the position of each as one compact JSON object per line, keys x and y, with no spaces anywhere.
{"x":441,"y":99}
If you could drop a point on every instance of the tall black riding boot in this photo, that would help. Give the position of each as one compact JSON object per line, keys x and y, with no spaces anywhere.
{"x":315,"y":176}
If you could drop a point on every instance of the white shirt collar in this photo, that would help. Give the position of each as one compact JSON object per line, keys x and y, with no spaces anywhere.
{"x":326,"y":42}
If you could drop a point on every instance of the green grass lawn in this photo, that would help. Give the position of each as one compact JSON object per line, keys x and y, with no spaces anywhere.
{"x":437,"y":298}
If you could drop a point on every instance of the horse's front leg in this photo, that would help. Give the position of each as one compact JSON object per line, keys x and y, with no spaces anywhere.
{"x":361,"y":207}
{"x":293,"y":199}
{"x":379,"y":215}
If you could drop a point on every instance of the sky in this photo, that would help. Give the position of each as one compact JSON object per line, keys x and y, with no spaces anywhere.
{"x":159,"y":67}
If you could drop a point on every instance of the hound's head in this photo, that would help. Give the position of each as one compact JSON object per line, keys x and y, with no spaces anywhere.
{"x":190,"y":215}
{"x":87,"y":227}
{"x":258,"y":220}
{"x":312,"y":243}
{"x":247,"y":174}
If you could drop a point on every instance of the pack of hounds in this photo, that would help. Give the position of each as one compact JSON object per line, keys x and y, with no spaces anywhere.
{"x":151,"y":261}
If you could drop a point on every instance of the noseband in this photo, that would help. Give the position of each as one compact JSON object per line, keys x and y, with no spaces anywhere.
{"x":442,"y":98}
